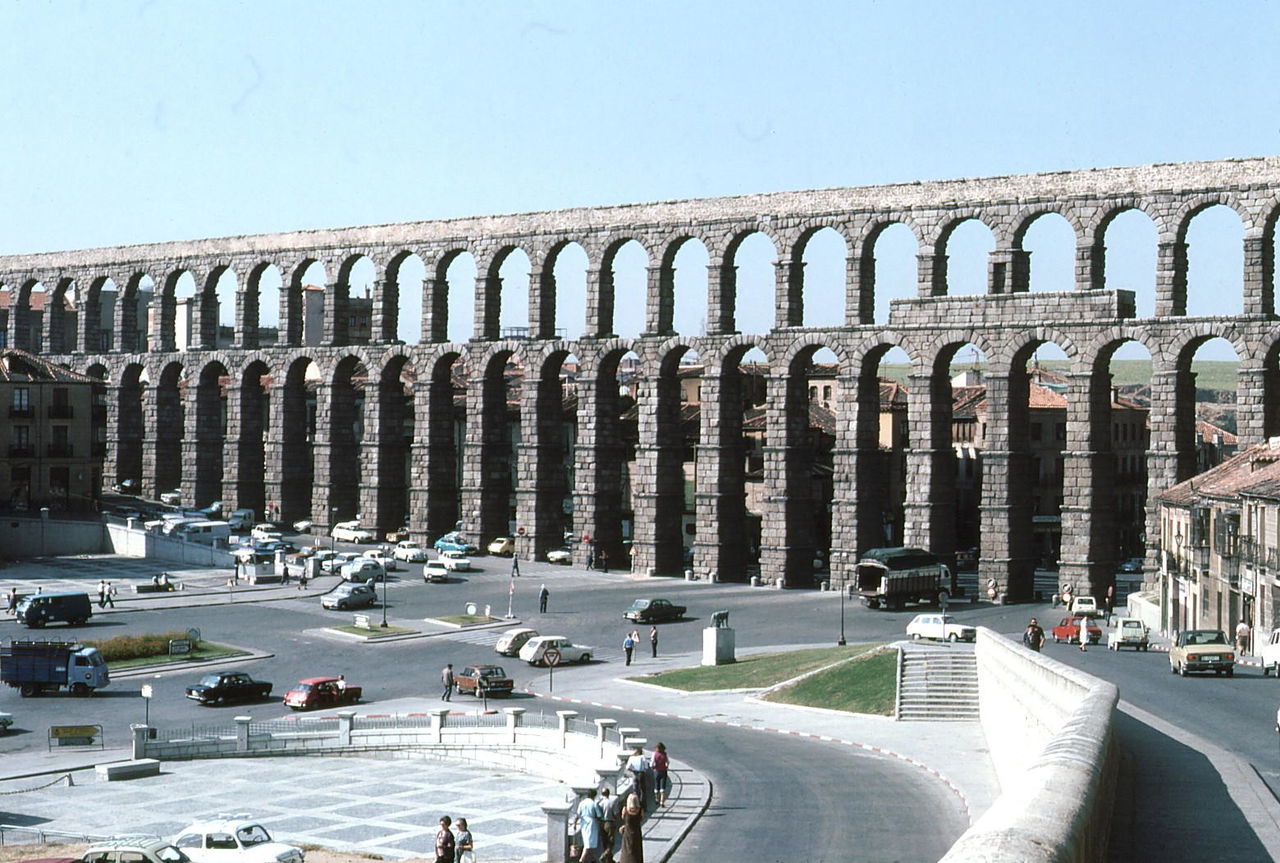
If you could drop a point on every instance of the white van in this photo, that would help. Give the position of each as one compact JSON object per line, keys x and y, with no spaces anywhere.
{"x":205,"y":531}
{"x":240,"y":519}
{"x":1269,"y":653}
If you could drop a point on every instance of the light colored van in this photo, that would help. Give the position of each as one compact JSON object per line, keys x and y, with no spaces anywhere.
{"x":1084,"y":606}
{"x":1269,"y":653}
{"x":240,"y":519}
{"x":205,"y":531}
{"x":351,"y":531}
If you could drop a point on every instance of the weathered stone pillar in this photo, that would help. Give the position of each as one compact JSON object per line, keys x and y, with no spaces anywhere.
{"x":292,"y":312}
{"x":235,"y":461}
{"x":1171,"y":279}
{"x":248,"y":299}
{"x":1089,"y":542}
{"x":657,"y":486}
{"x":109,"y":408}
{"x":541,"y":484}
{"x":860,"y":482}
{"x":788,"y":293}
{"x":284,"y":451}
{"x":488,"y":306}
{"x":600,"y":301}
{"x":931,"y":274}
{"x":659,"y":305}
{"x":204,"y":317}
{"x":163,"y":314}
{"x":722,"y":298}
{"x":1008,"y":271}
{"x":1091,"y":263}
{"x":18,"y":315}
{"x":384,"y":321}
{"x":1251,"y":398}
{"x":203,"y":445}
{"x":433,"y":497}
{"x":599,"y":462}
{"x":542,"y":300}
{"x":1171,"y":451}
{"x":170,"y":427}
{"x":860,"y":290}
{"x":1259,"y":272}
{"x":929,"y":510}
{"x":435,"y":310}
{"x":336,"y":304}
{"x":88,"y":337}
{"x":379,"y":434}
{"x":323,"y":501}
{"x":127,"y":337}
{"x":722,"y":546}
{"x":1006,"y":490}
{"x":486,"y":458}
{"x":787,"y":534}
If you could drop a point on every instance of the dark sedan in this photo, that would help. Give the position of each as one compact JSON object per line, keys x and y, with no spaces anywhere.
{"x":228,"y":686}
{"x":653,"y":611}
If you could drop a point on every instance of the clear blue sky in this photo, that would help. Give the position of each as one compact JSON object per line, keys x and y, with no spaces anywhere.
{"x":138,"y":122}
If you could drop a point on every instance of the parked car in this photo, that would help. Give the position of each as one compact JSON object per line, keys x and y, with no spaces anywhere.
{"x":234,"y":839}
{"x":435,"y":572}
{"x":512,"y":640}
{"x":321,"y":692}
{"x":336,"y":560}
{"x":364,"y":569}
{"x":455,"y":542}
{"x":385,"y":558}
{"x":410,"y":551}
{"x":6,"y":719}
{"x":484,"y":680}
{"x":560,"y":555}
{"x":265,"y":533}
{"x":1269,"y":653}
{"x":397,"y":535}
{"x":943,"y":627}
{"x":136,"y":848}
{"x":350,"y":531}
{"x":1084,"y":606}
{"x":1133,"y":565}
{"x":1068,"y":629}
{"x":172,"y":498}
{"x":535,"y":650}
{"x":1128,"y":632}
{"x":226,"y":686}
{"x":653,"y":611}
{"x":1202,"y":650}
{"x":455,"y":561}
{"x":503,"y":546}
{"x":349,"y":594}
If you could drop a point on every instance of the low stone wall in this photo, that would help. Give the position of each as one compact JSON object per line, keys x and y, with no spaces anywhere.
{"x":1049,"y":729}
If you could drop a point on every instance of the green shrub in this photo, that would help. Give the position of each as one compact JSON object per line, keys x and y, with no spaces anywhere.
{"x":139,"y":646}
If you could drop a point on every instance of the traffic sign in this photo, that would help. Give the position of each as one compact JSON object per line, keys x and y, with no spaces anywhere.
{"x":551,"y":657}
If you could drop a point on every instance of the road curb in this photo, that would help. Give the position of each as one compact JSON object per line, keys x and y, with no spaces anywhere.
{"x":249,"y":655}
{"x":410,"y":636}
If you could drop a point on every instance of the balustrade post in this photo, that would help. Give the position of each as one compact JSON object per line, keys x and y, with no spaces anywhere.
{"x":602,"y":733}
{"x":515,"y":719}
{"x":242,"y":733}
{"x":557,"y":831}
{"x":438,"y":715}
{"x":565,"y":716}
{"x":346,"y":718}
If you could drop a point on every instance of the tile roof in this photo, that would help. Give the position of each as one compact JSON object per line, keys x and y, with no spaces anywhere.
{"x":1254,"y":466}
{"x":18,"y":365}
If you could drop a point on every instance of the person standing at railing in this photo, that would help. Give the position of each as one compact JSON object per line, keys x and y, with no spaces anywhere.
{"x":661,"y":782}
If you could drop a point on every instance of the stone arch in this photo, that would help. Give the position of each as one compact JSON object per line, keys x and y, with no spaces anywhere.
{"x":489,"y":481}
{"x":438,"y":305}
{"x":797,"y":284}
{"x":553,"y":308}
{"x":131,"y":427}
{"x":723,"y":300}
{"x":348,"y":319}
{"x":170,"y":427}
{"x":663,"y":309}
{"x":389,"y":306}
{"x":59,"y":331}
{"x":604,"y":320}
{"x":442,"y":419}
{"x":940,"y":275}
{"x":390,"y":422}
{"x":294,"y":325}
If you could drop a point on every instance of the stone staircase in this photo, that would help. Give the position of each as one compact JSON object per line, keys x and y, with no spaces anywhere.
{"x":937,"y":683}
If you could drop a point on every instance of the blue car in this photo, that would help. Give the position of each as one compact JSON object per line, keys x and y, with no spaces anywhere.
{"x":455,"y":542}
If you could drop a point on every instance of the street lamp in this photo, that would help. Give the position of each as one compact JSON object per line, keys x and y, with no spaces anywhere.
{"x":384,"y":588}
{"x":333,"y":518}
{"x":844,"y":588}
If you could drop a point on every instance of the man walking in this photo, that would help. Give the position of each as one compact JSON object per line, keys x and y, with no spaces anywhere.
{"x":13,"y":600}
{"x":611,"y":807}
{"x":1242,"y":636}
{"x":653,"y":640}
{"x":446,"y":677}
{"x":111,"y":594}
{"x":102,"y":593}
{"x":628,"y":647}
{"x":543,"y":596}
{"x":1033,"y":636}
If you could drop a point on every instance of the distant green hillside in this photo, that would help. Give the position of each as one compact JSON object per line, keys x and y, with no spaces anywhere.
{"x":1210,"y":375}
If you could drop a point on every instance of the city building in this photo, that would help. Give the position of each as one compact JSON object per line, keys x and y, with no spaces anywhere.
{"x":51,"y":425}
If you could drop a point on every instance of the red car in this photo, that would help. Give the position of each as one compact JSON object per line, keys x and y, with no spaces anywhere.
{"x":321,"y":692}
{"x":1069,"y":630}
{"x":491,"y":679}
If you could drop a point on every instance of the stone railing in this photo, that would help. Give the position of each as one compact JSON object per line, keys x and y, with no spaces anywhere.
{"x":580,"y":753}
{"x":1049,"y":729}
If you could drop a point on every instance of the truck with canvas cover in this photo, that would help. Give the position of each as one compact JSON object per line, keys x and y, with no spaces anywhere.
{"x":33,"y":667}
{"x":892,"y":577}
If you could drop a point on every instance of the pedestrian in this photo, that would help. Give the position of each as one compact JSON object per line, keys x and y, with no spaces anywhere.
{"x":1110,"y":600}
{"x":1033,"y":635}
{"x":653,"y":640}
{"x":543,"y":596}
{"x":944,"y":596}
{"x":589,"y":816}
{"x":445,"y":843}
{"x":602,"y":561}
{"x":102,"y":593}
{"x":628,"y":647}
{"x":611,"y":809}
{"x":591,"y":556}
{"x":302,"y":577}
{"x":661,"y":782}
{"x":638,"y":767}
{"x":632,"y":823}
{"x":342,"y":683}
{"x":111,"y":594}
{"x":446,"y":677}
{"x":1084,"y":633}
{"x":13,"y":600}
{"x":1242,"y":637}
{"x":464,"y":844}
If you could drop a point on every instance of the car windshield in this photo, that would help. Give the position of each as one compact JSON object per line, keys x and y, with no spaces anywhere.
{"x":302,"y":687}
{"x":209,"y":680}
{"x":252,"y":834}
{"x":1206,"y":638}
{"x":170,"y":854}
{"x":1131,"y":624}
{"x":640,"y":603}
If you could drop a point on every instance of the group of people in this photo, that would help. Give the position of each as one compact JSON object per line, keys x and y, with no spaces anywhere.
{"x":601,"y":822}
{"x":454,"y":847}
{"x":106,"y":593}
{"x":632,"y":640}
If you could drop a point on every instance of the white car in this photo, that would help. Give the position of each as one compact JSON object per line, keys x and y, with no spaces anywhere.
{"x":455,"y":561}
{"x":387,"y":560}
{"x":350,"y":531}
{"x":1130,"y":632}
{"x":1084,"y":606}
{"x":512,"y":640}
{"x":363,"y":569}
{"x":410,"y":551}
{"x":535,"y":650}
{"x":943,"y":627}
{"x":435,"y":572}
{"x":335,"y":561}
{"x":234,"y":839}
{"x":266,"y":533}
{"x":1269,"y":653}
{"x":560,"y":555}
{"x":172,"y":498}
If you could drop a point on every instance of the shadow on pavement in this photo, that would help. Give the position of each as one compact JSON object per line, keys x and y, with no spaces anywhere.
{"x":1171,"y":804}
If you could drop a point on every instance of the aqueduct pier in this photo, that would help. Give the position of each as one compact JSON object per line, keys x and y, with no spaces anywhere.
{"x":231,"y":423}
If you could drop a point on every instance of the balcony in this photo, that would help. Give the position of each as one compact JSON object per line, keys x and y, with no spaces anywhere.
{"x":60,"y":450}
{"x":60,"y":412}
{"x":18,"y":450}
{"x":21,"y":412}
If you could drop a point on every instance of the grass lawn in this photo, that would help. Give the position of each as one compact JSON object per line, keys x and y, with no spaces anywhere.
{"x":867,"y":684}
{"x":756,"y":671}
{"x":466,"y":619}
{"x":206,"y":650}
{"x":373,"y":631}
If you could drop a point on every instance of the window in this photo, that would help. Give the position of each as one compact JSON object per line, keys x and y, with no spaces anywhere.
{"x":22,"y":437}
{"x":21,"y":398}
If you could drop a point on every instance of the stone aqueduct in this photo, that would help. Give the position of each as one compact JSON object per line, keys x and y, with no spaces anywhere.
{"x":155,"y":427}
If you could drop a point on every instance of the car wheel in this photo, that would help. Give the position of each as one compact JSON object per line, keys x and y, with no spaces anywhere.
{"x":80,"y":690}
{"x":1231,"y":672}
{"x":28,"y":690}
{"x":1173,"y":669}
{"x":953,"y":637}
{"x":586,"y":657}
{"x":915,"y":636}
{"x":1182,"y":670}
{"x":1057,"y":640}
{"x":1266,"y":672}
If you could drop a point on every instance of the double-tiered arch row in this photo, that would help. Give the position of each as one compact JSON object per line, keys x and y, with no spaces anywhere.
{"x":439,"y":432}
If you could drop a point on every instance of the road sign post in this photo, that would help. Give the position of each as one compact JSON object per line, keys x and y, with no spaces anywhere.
{"x":552,"y":658}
